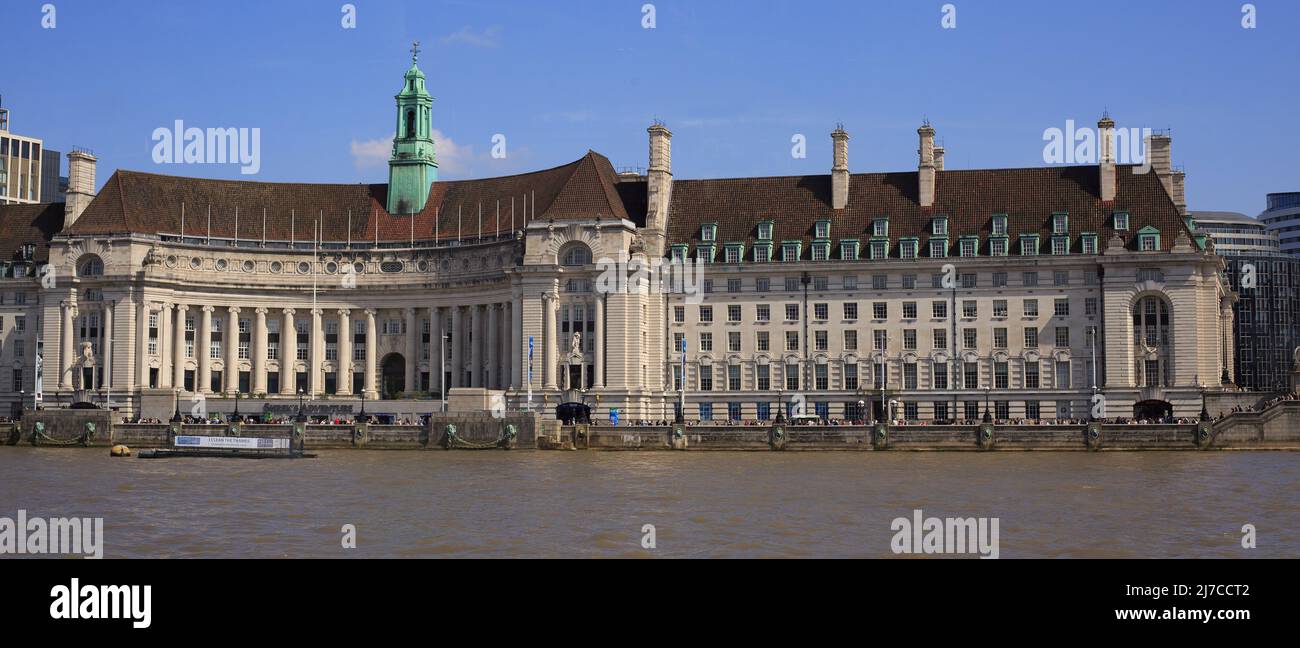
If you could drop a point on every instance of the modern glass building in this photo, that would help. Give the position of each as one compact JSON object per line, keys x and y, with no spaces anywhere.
{"x":1282,"y":216}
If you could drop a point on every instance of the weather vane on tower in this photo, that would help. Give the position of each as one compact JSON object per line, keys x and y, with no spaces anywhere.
{"x":415,"y":50}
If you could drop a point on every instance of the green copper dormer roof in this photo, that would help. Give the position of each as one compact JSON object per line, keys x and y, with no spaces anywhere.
{"x":413,"y":167}
{"x":413,"y":85}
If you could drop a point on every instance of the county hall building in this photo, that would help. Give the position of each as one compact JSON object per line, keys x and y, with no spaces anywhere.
{"x":935,"y":290}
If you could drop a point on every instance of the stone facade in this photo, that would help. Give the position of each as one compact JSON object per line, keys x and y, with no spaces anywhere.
{"x":194,"y":288}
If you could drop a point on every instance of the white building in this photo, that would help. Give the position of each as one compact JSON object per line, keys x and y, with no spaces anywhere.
{"x":938,"y":289}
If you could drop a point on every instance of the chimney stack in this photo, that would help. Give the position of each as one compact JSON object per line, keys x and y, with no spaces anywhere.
{"x":938,"y":159}
{"x":1180,"y":198}
{"x":81,"y":185}
{"x":1106,"y":132}
{"x":840,"y":169}
{"x":1158,"y":155}
{"x":926,"y":175}
{"x":659,"y":189}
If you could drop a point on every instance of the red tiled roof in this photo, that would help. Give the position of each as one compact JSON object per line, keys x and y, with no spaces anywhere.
{"x":35,"y":224}
{"x":149,"y":203}
{"x":969,"y":199}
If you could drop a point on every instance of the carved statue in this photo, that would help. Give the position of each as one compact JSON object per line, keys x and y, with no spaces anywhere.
{"x":638,"y":245}
{"x":575,"y":346}
{"x":151,"y":258}
{"x":87,"y":359}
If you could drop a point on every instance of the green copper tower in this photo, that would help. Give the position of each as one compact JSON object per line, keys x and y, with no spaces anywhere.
{"x":413,"y":167}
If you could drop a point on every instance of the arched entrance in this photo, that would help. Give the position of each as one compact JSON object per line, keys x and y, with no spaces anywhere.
{"x":1153,"y":410}
{"x":394,"y":376}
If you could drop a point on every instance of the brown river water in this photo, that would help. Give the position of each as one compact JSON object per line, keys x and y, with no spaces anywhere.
{"x":702,"y":504}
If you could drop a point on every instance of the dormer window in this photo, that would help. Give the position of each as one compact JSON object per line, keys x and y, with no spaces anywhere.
{"x":907,"y":248}
{"x":734,"y":253}
{"x":822,"y":229}
{"x":939,"y":226}
{"x":849,"y":249}
{"x":821,"y":250}
{"x":1089,"y":243}
{"x":938,"y":248}
{"x":1060,"y":245}
{"x":790,"y":251}
{"x":1121,"y":221}
{"x":880,"y":227}
{"x":970,"y":246}
{"x":1149,"y":239}
{"x":998,"y":246}
{"x":1029,"y":245}
{"x":879,"y":249}
{"x":704,"y":253}
{"x":709,"y":232}
{"x":762,"y":252}
{"x":765,"y":231}
{"x":999,"y":224}
{"x":1060,"y":223}
{"x":679,"y":253}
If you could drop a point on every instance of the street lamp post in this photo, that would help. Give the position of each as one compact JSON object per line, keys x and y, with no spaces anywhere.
{"x":988,"y":418}
{"x":176,"y":417}
{"x":302,"y":415}
{"x":442,"y":370}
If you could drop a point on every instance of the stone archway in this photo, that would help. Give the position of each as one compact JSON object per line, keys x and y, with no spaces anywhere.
{"x":393,"y":376}
{"x":1152,"y":410}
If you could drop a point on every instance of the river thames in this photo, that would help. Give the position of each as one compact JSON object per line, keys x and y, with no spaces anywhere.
{"x":701,"y":504}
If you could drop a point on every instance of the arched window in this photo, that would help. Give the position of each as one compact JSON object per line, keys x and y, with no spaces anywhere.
{"x":410,"y":123}
{"x":92,"y":267}
{"x":1151,"y":322}
{"x":575,"y":255}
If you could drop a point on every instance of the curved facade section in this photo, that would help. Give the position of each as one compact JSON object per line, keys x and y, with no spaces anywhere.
{"x":1282,"y":216}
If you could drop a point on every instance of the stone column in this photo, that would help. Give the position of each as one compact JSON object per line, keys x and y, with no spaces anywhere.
{"x":518,"y":350}
{"x":142,"y":344}
{"x":436,"y":349}
{"x":315,"y":380}
{"x":550,"y":351}
{"x":475,"y":346}
{"x":372,"y":341}
{"x":232,"y":349}
{"x":165,"y":344}
{"x":457,"y":339}
{"x":288,"y":353}
{"x":503,"y":337}
{"x":344,"y":363}
{"x":178,"y":350}
{"x":493,"y":373}
{"x":66,"y":338}
{"x":599,"y":342}
{"x":412,"y":349}
{"x":259,"y":352}
{"x":203,"y":379}
{"x":106,"y":349}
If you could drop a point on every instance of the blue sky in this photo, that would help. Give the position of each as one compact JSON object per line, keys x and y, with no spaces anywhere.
{"x":733,"y":80}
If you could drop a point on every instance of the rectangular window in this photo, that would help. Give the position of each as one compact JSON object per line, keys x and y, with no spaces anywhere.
{"x":850,"y":311}
{"x":733,"y":377}
{"x":792,"y":312}
{"x":999,"y":279}
{"x":999,"y":338}
{"x":1090,"y":306}
{"x":969,"y":280}
{"x":820,"y":375}
{"x":706,"y":314}
{"x":679,"y":314}
{"x":938,"y":249}
{"x":879,"y":340}
{"x":1031,"y":308}
{"x":909,"y":282}
{"x":997,"y":247}
{"x":1061,"y":307}
{"x":764,"y":373}
{"x":1000,"y":376}
{"x":940,"y":371}
{"x":733,"y":341}
{"x":763,"y":313}
{"x":733,"y":313}
{"x":1062,"y":337}
{"x":1032,"y":410}
{"x":820,"y":341}
{"x":909,"y":375}
{"x":1031,"y":376}
{"x":879,"y":282}
{"x":939,"y":309}
{"x":821,"y":283}
{"x":909,"y":339}
{"x":850,"y":282}
{"x":733,"y":285}
{"x":792,"y":377}
{"x":850,"y":376}
{"x":706,"y":341}
{"x":971,"y":375}
{"x":940,"y":339}
{"x":969,"y":338}
{"x":999,"y":308}
{"x":821,"y":312}
{"x":880,"y":310}
{"x":1031,"y":338}
{"x":969,"y":309}
{"x":1062,"y":375}
{"x":1061,"y":278}
{"x":909,"y":310}
{"x":850,"y":340}
{"x":706,"y":378}
{"x":791,"y":340}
